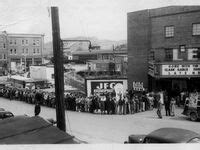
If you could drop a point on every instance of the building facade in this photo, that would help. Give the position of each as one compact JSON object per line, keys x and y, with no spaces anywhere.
{"x":3,"y":52}
{"x":21,"y":49}
{"x":102,"y":60}
{"x":163,"y":48}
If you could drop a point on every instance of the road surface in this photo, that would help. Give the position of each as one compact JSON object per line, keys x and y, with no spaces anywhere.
{"x":96,"y":128}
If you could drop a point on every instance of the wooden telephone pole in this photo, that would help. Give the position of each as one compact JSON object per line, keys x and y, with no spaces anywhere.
{"x":58,"y":70}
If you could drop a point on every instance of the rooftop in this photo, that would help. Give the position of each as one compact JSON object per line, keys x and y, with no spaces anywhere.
{"x":102,"y":51}
{"x":170,"y":10}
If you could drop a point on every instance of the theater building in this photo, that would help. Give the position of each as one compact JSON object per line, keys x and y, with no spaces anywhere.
{"x":164,"y":48}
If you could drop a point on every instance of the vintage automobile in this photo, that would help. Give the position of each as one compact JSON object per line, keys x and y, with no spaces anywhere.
{"x":166,"y":135}
{"x":192,"y":107}
{"x":33,"y":130}
{"x":2,"y":109}
{"x":5,"y":114}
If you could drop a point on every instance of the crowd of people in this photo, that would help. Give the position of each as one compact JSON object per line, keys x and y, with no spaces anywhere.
{"x":104,"y":104}
{"x":107,"y":103}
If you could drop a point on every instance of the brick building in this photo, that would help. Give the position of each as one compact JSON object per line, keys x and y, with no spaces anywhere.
{"x":3,"y":53}
{"x":21,"y":49}
{"x":163,"y":48}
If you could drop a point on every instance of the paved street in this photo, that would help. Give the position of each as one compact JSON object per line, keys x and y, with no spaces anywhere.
{"x":96,"y":128}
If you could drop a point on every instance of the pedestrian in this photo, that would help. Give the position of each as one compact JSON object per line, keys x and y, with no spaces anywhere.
{"x":120,"y":105}
{"x":167,"y":105}
{"x":159,"y":107}
{"x":37,"y":109}
{"x":172,"y":106}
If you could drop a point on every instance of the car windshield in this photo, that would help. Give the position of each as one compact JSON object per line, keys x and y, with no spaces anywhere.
{"x":8,"y":115}
{"x":195,"y":140}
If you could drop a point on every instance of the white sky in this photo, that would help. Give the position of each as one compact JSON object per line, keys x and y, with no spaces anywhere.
{"x":104,"y":19}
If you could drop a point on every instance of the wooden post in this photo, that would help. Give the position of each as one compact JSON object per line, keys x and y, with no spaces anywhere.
{"x":58,"y":70}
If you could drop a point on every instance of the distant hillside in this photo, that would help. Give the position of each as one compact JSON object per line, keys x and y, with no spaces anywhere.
{"x":105,"y":44}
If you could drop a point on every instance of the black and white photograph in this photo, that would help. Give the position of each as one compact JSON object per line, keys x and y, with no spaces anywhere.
{"x":105,"y":73}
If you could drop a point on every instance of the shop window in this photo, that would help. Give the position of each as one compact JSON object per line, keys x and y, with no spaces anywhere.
{"x":196,"y":29}
{"x":168,"y":54}
{"x":169,"y":31}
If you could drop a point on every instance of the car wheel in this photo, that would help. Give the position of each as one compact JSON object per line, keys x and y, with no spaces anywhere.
{"x":193,"y":116}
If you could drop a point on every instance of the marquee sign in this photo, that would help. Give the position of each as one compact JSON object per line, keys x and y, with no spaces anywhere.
{"x":184,"y":70}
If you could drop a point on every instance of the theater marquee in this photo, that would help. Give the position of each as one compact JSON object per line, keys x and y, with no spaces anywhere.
{"x":183,"y":70}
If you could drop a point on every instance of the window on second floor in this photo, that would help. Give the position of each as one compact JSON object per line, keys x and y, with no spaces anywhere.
{"x":34,"y":51}
{"x":23,"y":51}
{"x":169,"y":31}
{"x":168,"y":54}
{"x":182,"y":48}
{"x":37,"y":42}
{"x":34,"y":43}
{"x":38,"y":50}
{"x":22,"y":42}
{"x":27,"y":51}
{"x":4,"y":45}
{"x":26,"y":42}
{"x":196,"y":29}
{"x":15,"y":51}
{"x":4,"y":56}
{"x":11,"y":51}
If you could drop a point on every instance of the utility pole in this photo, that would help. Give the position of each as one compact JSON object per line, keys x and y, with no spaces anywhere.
{"x":58,"y":70}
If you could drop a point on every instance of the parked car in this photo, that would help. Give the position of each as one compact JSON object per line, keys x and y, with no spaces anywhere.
{"x":5,"y":114}
{"x":2,"y":109}
{"x":192,"y":107}
{"x":166,"y":135}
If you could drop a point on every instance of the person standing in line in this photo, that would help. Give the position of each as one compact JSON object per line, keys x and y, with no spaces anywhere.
{"x":159,"y":107}
{"x":167,"y":104}
{"x":124,"y":100}
{"x":120,"y":104}
{"x":131,"y":105}
{"x":172,"y":106}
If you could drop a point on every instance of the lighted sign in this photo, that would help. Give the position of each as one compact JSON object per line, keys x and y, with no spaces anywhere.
{"x":174,"y":70}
